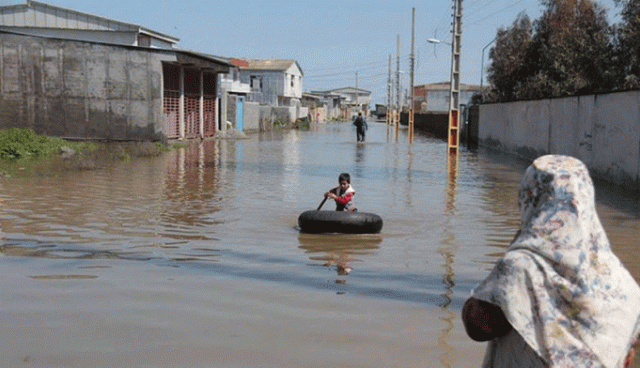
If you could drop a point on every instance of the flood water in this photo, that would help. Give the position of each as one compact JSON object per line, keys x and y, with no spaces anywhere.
{"x":194,"y":258}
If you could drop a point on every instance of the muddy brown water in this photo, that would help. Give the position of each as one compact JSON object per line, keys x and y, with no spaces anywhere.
{"x":194,"y":259}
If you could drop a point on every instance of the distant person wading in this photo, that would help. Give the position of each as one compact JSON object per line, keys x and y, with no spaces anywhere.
{"x":361,"y":127}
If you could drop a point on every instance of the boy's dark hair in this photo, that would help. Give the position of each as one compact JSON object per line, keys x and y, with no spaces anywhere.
{"x":345,"y":177}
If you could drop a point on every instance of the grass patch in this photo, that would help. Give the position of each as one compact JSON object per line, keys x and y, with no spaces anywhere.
{"x":20,"y":143}
{"x":25,"y":153}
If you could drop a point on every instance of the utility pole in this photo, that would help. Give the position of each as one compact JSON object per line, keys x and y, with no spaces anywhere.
{"x":398,"y":105}
{"x":411,"y":104}
{"x":389,"y":94}
{"x":454,"y":100}
{"x":357,"y":93}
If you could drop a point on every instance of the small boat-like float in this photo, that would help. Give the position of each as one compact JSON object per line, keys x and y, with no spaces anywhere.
{"x":316,"y":221}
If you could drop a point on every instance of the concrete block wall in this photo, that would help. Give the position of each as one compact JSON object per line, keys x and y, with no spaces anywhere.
{"x":251,"y":116}
{"x":603,"y":131}
{"x":81,"y":90}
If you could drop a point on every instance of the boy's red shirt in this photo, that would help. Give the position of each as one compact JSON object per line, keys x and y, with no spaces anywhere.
{"x":344,"y":199}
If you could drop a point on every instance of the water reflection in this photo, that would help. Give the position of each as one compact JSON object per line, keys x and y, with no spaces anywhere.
{"x":291,"y":177}
{"x":337,"y":250}
{"x":447,"y":251}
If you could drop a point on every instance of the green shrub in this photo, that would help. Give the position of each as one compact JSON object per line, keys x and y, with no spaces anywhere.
{"x":279,"y":124}
{"x":16,"y":143}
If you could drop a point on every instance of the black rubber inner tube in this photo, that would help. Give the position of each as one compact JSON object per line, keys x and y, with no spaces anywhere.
{"x":339,"y":222}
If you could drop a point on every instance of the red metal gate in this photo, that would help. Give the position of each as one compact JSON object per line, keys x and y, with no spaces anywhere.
{"x":191,"y":109}
{"x":209,"y":91}
{"x":209,"y":116}
{"x":171,"y":99}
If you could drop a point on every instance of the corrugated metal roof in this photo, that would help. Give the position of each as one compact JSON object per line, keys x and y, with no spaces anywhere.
{"x":348,"y":90}
{"x":217,"y":59}
{"x":41,"y":15}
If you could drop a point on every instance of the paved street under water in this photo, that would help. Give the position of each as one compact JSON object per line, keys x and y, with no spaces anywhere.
{"x":194,"y":258}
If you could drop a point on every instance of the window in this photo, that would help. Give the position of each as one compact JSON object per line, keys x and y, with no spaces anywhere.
{"x":293,"y":78}
{"x":256,"y":82}
{"x":144,"y":40}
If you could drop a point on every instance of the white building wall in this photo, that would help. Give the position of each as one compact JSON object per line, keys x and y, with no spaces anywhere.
{"x":293,"y":89}
{"x":275,"y":84}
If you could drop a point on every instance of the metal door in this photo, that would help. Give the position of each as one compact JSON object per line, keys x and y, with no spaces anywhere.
{"x":240,"y":113}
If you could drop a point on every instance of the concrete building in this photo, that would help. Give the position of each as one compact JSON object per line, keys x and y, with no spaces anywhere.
{"x":354,"y":100}
{"x":434,"y":97}
{"x":233,"y":94}
{"x":276,"y":86}
{"x":324,"y":106}
{"x":82,"y":76}
{"x":273,"y":82}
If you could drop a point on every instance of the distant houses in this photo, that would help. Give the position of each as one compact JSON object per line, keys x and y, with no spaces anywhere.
{"x":337,"y":104}
{"x":76,"y":75}
{"x":256,"y":93}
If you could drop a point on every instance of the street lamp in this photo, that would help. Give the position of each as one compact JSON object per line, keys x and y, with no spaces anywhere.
{"x":436,"y":41}
{"x":482,"y":66}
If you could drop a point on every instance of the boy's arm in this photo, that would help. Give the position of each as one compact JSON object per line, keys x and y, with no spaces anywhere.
{"x":344,"y":200}
{"x":333,"y":191}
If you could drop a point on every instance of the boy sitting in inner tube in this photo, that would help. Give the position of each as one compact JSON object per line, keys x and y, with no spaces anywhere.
{"x":343,"y":194}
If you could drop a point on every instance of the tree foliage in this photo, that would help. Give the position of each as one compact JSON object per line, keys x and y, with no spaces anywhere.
{"x":571,"y":49}
{"x":509,"y":57}
{"x":628,"y":43}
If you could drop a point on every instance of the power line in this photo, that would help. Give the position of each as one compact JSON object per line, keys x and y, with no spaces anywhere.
{"x":497,"y":12}
{"x":358,"y":64}
{"x":349,"y":71}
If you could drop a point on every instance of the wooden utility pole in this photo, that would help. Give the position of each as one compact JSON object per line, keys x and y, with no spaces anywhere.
{"x":398,"y":105}
{"x":410,"y":118}
{"x":357,"y":94}
{"x":454,"y":100}
{"x":389,"y":110}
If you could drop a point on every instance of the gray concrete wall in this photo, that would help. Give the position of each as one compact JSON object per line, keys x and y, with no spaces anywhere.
{"x":603,"y":131}
{"x":270,"y":114}
{"x":81,"y":90}
{"x":231,"y":111}
{"x":251,"y":116}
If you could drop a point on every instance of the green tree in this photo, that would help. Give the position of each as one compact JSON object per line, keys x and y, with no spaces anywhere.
{"x":508,"y":59}
{"x":572,"y":49}
{"x":628,"y":44}
{"x":570,"y":52}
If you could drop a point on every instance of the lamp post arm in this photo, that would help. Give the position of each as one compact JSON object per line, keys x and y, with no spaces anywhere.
{"x":482,"y":65}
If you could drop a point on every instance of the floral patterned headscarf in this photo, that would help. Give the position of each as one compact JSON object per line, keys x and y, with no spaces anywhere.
{"x":559,"y":283}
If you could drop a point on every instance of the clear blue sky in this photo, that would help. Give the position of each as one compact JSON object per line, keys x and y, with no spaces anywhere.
{"x":331,"y":39}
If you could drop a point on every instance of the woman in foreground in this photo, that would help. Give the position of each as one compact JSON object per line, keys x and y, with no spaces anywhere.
{"x":559,"y":297}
